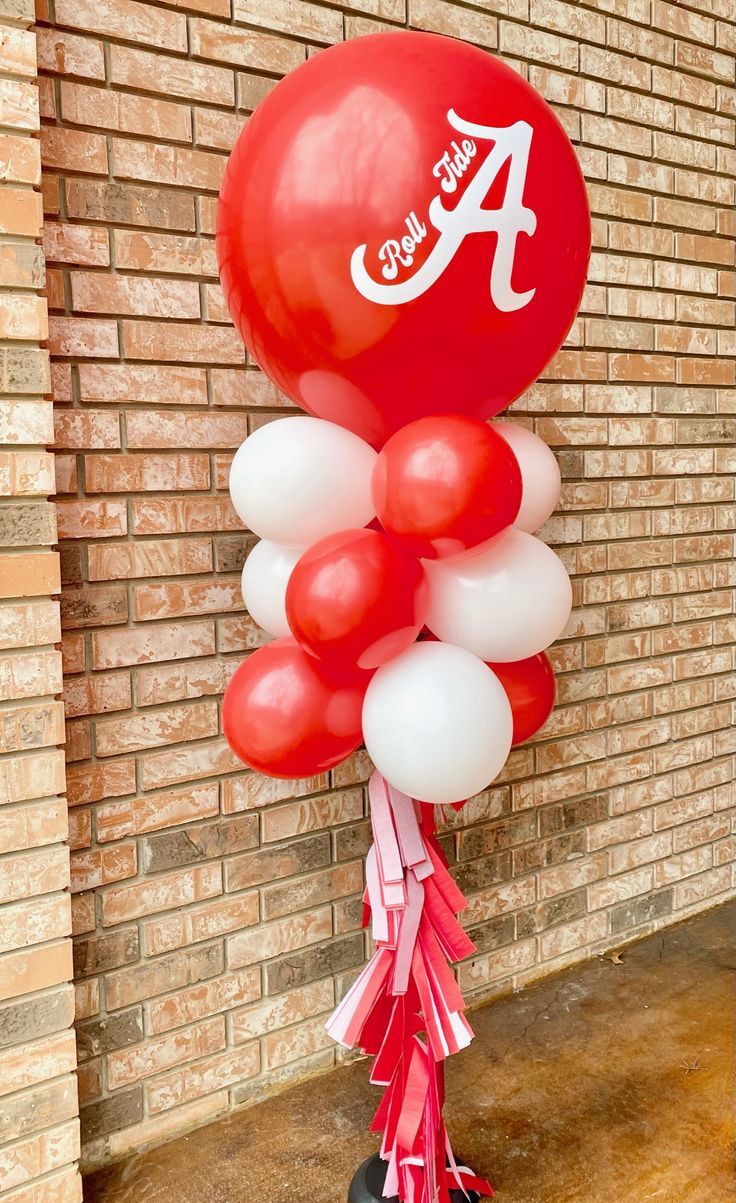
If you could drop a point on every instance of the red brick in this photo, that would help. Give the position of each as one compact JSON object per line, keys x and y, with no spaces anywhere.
{"x":94,"y":200}
{"x":64,"y":149}
{"x":172,"y":77}
{"x":187,"y":764}
{"x":313,"y":22}
{"x":97,"y":694}
{"x":21,"y":159}
{"x":160,"y":893}
{"x":99,"y":867}
{"x":156,"y":728}
{"x":19,"y":52}
{"x":123,"y":561}
{"x":33,"y":826}
{"x":35,"y":873}
{"x":185,"y":679}
{"x":274,"y":939}
{"x":207,"y":998}
{"x":29,"y":970}
{"x":184,"y":515}
{"x":285,"y":1009}
{"x":69,"y":53}
{"x":105,"y":109}
{"x":184,"y":600}
{"x":21,"y":214}
{"x":186,"y":430}
{"x":35,"y":921}
{"x":141,"y":645}
{"x":37,"y":1061}
{"x":64,"y":242}
{"x":116,"y":820}
{"x":130,"y":1065}
{"x":200,"y":923}
{"x":97,"y":293}
{"x":84,"y":337}
{"x":146,"y":251}
{"x":27,"y":574}
{"x":82,"y":519}
{"x":150,"y":978}
{"x":174,"y":342}
{"x":203,"y":1078}
{"x":141,"y":383}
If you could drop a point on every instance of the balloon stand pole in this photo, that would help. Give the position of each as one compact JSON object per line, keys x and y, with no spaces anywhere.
{"x":406,"y":1010}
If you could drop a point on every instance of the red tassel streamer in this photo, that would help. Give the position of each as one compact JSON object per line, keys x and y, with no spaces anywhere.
{"x":406,"y":1010}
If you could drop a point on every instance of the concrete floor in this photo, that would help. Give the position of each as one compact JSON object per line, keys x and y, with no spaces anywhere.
{"x":604,"y":1084}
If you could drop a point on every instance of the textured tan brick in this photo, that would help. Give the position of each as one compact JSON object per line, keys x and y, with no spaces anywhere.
{"x":161,"y":893}
{"x":153,"y":1056}
{"x":175,"y":725}
{"x":28,"y":970}
{"x":146,"y":980}
{"x":123,"y":561}
{"x":100,"y":866}
{"x":111,"y":383}
{"x":273,"y":939}
{"x":126,"y":19}
{"x":36,"y":1061}
{"x":95,"y":293}
{"x":205,"y":999}
{"x":311,"y":20}
{"x":203,"y":1078}
{"x":34,"y":921}
{"x":244,"y":47}
{"x":173,"y":77}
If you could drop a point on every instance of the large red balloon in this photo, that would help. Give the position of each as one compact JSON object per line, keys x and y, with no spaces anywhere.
{"x":445,"y":485}
{"x":402,"y":231}
{"x":286,"y":714}
{"x":356,"y":597}
{"x":530,"y":688}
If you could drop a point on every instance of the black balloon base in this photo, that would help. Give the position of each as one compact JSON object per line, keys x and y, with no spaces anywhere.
{"x":367,"y":1185}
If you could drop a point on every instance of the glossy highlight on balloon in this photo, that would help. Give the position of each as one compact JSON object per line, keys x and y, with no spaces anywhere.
{"x":286,"y":714}
{"x":298,"y":479}
{"x":437,"y":723}
{"x":444,"y":485}
{"x":403,"y":231}
{"x":356,"y":597}
{"x":509,"y":600}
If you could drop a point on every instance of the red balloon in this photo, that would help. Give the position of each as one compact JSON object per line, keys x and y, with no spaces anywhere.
{"x":288,"y":715}
{"x":530,"y":688}
{"x":444,"y":485}
{"x":356,"y":597}
{"x":403,"y":230}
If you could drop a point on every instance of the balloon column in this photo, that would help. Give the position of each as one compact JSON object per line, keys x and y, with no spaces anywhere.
{"x":403,"y":237}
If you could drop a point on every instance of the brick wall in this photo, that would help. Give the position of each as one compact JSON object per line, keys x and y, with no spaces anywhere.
{"x":216,"y":913}
{"x":39,"y":1128}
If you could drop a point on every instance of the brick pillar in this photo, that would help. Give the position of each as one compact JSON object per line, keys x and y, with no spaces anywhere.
{"x":39,"y":1128}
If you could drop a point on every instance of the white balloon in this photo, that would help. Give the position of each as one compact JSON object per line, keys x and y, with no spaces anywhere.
{"x":508,"y":602}
{"x":437,"y":723}
{"x":540,"y":475}
{"x":265,"y":576}
{"x":296,"y":480}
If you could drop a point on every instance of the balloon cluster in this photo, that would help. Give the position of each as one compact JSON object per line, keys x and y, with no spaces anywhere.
{"x":410,"y":600}
{"x":402,"y":236}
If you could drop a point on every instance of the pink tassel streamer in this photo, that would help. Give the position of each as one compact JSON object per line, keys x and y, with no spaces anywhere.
{"x":406,"y":1010}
